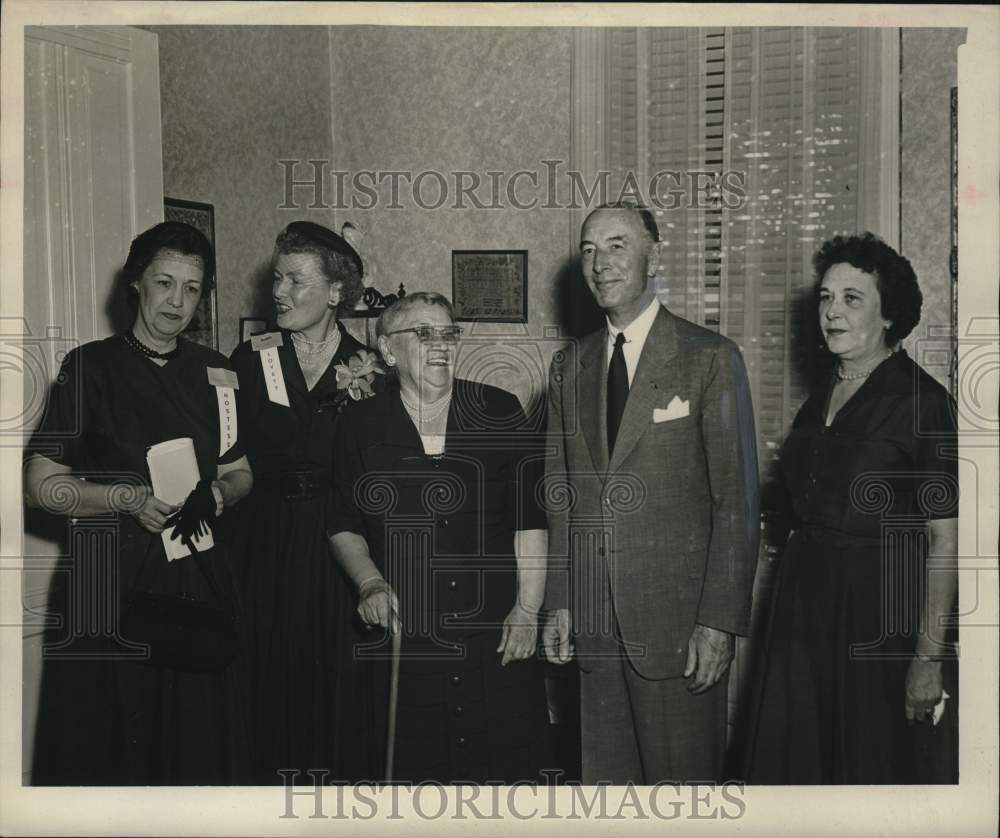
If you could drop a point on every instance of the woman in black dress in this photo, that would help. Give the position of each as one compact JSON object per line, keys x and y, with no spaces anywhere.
{"x":293,"y":384}
{"x":437,"y":521}
{"x":105,"y":716}
{"x":858,"y":667}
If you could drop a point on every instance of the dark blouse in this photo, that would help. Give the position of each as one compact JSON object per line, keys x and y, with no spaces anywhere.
{"x":298,"y":437}
{"x":104,"y":718}
{"x":890,"y":452}
{"x":441,"y":529}
{"x":109,"y":404}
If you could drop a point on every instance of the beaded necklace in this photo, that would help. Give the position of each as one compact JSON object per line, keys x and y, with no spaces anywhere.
{"x":136,"y":345}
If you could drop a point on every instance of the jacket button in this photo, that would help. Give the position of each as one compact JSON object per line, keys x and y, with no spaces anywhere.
{"x":459,"y":710}
{"x":456,"y":679}
{"x":461,"y":741}
{"x":443,"y":522}
{"x":452,"y":585}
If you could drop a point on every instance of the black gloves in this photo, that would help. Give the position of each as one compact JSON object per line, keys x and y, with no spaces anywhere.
{"x":195,"y":516}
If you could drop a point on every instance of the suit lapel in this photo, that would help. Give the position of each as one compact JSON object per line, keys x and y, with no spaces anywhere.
{"x":651,"y":375}
{"x":592,"y":404}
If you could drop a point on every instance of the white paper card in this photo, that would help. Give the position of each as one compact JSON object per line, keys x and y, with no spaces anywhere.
{"x":173,"y":471}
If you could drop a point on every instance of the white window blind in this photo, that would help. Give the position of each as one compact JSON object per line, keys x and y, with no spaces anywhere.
{"x":789,"y":114}
{"x":806,"y":121}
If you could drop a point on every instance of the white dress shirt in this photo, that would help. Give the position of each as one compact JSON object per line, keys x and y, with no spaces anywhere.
{"x":635,"y":338}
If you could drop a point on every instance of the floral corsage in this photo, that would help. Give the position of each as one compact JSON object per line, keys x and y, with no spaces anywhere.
{"x":356,"y":379}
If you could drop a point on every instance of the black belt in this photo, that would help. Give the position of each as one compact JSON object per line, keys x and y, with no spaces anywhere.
{"x":297,"y":485}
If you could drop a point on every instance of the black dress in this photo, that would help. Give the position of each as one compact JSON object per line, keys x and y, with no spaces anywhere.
{"x":104,"y":718}
{"x":441,"y":531}
{"x":300,"y":624}
{"x":842,"y":634}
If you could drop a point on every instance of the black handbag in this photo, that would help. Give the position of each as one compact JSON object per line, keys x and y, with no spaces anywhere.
{"x":181,"y":632}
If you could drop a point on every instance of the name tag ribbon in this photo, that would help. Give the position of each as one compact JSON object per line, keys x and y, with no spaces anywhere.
{"x":226,"y":384}
{"x":267,"y":346}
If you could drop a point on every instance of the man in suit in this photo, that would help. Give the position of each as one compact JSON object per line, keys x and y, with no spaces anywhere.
{"x":652,"y":497}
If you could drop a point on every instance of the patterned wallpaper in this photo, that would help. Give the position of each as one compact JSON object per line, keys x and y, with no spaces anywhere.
{"x":448,"y":100}
{"x":929,"y":71}
{"x":228,"y":117}
{"x":483,"y":100}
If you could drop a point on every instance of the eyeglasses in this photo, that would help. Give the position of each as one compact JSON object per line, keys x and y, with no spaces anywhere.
{"x":424,"y":334}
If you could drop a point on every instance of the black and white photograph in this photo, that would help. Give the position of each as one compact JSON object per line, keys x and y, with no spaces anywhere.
{"x":421,"y":418}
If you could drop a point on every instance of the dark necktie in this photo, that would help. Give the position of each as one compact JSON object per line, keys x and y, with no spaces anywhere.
{"x":617,"y":390}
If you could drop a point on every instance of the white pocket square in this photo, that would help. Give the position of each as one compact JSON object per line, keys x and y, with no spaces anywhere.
{"x":677,"y":409}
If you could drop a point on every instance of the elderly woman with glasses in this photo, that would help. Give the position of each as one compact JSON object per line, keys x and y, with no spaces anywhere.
{"x":436,"y":520}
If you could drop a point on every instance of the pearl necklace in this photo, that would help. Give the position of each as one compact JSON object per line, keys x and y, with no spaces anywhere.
{"x":854,"y":376}
{"x":430,"y":410}
{"x":314,"y":356}
{"x":305,"y":346}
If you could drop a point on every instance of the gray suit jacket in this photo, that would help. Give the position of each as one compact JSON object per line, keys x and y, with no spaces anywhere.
{"x":669,"y":524}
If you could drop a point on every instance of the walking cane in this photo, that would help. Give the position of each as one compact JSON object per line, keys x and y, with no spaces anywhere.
{"x":390,"y":743}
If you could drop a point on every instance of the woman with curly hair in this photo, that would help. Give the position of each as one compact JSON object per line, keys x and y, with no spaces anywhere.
{"x":121,"y":703}
{"x":859,"y":666}
{"x":293,"y":384}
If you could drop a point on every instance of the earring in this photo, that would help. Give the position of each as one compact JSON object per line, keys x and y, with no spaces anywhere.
{"x":332,"y":306}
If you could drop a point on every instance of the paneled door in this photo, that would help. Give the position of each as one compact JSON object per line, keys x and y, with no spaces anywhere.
{"x":93,"y":179}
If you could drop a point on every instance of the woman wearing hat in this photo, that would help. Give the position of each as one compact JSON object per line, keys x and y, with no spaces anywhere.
{"x":293,"y":384}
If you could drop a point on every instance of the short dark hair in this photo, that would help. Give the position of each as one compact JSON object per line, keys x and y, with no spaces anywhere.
{"x":169,"y":235}
{"x":392,"y":315}
{"x":895,"y":279}
{"x":648,"y":220}
{"x":339,"y":261}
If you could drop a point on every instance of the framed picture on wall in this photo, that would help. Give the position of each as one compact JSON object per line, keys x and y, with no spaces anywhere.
{"x":204,"y":326}
{"x":490,"y":285}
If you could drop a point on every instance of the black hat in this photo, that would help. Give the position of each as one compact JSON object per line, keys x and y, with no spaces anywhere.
{"x":325,"y":237}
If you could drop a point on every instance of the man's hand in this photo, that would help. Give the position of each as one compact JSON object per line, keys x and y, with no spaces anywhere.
{"x":519,"y":636}
{"x":555,"y":636}
{"x":710,"y":651}
{"x":379,"y":605}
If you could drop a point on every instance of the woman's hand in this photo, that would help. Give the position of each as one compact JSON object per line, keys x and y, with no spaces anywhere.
{"x":924,"y":689}
{"x":379,"y":605}
{"x":153,"y":513}
{"x":233,"y":482}
{"x":519,"y":637}
{"x":218,"y":488}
